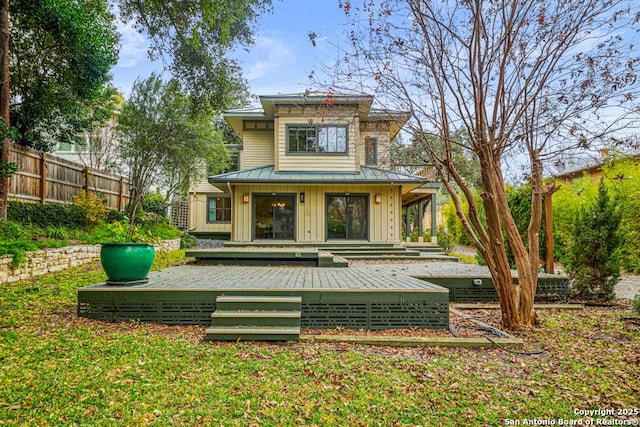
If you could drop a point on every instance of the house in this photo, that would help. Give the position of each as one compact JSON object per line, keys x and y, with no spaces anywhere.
{"x":98,"y":149}
{"x":311,"y":168}
{"x":593,"y":168}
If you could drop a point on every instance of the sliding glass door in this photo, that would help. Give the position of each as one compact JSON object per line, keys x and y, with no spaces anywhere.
{"x":274,"y":216}
{"x":348,"y":216}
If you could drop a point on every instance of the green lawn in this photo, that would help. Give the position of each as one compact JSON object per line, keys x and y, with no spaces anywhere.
{"x":56,"y":369}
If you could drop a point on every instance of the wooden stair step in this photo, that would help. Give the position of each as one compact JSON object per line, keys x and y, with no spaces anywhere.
{"x":365,"y":249}
{"x":381,"y":253}
{"x":258,"y":302}
{"x":249,"y":333}
{"x":255,"y":318}
{"x":384,"y":258}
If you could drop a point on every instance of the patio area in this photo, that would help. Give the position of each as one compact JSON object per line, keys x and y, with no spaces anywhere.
{"x":357,"y":297}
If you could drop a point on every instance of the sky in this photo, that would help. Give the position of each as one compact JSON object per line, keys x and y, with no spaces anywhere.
{"x":279,"y":62}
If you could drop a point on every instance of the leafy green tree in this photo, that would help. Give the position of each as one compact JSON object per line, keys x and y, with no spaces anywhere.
{"x":61,"y":55}
{"x":162,"y":142}
{"x":194,"y":38}
{"x":623,"y":180}
{"x":567,"y":202}
{"x":594,"y":256}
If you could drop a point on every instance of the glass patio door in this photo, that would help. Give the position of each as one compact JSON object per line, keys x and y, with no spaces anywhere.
{"x":348,"y":217}
{"x":274,"y":217}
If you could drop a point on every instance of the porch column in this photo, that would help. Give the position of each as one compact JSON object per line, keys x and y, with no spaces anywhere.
{"x":420,"y":220}
{"x":434,"y":228}
{"x":407,"y":223}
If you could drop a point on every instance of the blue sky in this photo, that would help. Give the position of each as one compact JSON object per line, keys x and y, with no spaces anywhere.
{"x":279,"y":62}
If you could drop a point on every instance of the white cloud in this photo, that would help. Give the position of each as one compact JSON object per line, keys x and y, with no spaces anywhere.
{"x":133,"y":46}
{"x":268,"y":56}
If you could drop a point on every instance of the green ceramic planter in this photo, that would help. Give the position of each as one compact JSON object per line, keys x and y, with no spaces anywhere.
{"x":126,"y":262}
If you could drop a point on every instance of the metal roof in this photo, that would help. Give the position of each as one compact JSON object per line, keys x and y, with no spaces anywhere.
{"x":268,"y":174}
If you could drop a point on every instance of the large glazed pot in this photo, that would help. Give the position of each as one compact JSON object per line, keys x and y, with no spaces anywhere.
{"x":126,"y":263}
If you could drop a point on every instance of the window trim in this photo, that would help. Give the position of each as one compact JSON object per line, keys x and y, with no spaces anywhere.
{"x":216,"y":196}
{"x":316,"y":153}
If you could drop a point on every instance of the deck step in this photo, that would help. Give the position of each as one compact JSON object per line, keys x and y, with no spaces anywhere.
{"x":255,"y":318}
{"x":249,"y":333}
{"x":402,"y":254}
{"x":340,"y":250}
{"x":258,"y":302}
{"x":381,"y":258}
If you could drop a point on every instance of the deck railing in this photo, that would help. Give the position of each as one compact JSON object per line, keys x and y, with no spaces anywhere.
{"x":420,"y":169}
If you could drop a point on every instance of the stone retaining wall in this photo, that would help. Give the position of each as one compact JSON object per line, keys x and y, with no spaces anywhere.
{"x":50,"y":260}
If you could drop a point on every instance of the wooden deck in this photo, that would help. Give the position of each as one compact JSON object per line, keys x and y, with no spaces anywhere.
{"x":354,"y":297}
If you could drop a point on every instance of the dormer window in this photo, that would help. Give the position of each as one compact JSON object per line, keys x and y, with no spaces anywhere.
{"x":306,"y":139}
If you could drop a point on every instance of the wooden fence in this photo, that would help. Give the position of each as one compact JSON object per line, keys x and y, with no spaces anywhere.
{"x":42,"y":178}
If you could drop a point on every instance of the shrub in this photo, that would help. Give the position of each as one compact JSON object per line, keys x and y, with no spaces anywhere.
{"x":43,"y":216}
{"x":93,"y":207}
{"x":15,"y":240}
{"x":164,"y":230}
{"x":445,"y":239}
{"x":118,"y":232}
{"x":187,"y":241}
{"x":453,"y":223}
{"x":115,"y":216}
{"x":11,"y":230}
{"x":593,"y":259}
{"x":59,"y":233}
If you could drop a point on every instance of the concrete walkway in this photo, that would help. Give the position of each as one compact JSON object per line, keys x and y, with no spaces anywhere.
{"x":628,"y":287}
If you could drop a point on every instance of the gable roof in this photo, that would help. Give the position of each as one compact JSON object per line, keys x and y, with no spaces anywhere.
{"x":366,"y":175}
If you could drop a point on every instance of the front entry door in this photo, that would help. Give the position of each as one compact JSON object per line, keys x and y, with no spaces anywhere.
{"x":347,"y":217}
{"x":274,"y":216}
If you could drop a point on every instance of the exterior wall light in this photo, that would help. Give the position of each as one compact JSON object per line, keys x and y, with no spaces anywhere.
{"x":245,"y":198}
{"x":301,"y":197}
{"x":378,"y":198}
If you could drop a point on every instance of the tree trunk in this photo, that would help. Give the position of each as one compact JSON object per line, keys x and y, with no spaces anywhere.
{"x":4,"y":98}
{"x":496,"y":256}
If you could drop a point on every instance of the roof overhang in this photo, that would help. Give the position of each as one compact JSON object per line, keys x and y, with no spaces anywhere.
{"x":366,"y":176}
{"x":362,"y":102}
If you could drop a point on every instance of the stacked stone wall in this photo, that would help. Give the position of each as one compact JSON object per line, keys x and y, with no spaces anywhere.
{"x":46,"y":261}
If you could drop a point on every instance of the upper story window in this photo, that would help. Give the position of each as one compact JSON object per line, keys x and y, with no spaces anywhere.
{"x":371,"y":151}
{"x":257,"y":125}
{"x":317,"y":139}
{"x":234,"y":161}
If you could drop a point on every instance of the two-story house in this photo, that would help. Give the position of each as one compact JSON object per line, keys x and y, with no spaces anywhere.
{"x":311,"y":168}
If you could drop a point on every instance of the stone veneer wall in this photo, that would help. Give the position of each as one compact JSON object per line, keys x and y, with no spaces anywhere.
{"x":49,"y":260}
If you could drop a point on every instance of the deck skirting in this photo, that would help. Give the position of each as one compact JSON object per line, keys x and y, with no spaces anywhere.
{"x":358,"y":309}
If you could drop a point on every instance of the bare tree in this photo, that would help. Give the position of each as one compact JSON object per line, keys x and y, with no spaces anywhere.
{"x":4,"y":104}
{"x":525,"y":80}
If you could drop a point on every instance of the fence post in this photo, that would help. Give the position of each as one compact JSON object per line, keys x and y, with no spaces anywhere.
{"x":43,"y":178}
{"x":87,"y":173}
{"x":121,"y":194}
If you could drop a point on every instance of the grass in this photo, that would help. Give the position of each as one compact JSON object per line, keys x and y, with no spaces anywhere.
{"x":57,"y":369}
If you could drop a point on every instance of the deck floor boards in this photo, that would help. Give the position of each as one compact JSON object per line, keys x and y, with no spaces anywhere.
{"x":258,"y":277}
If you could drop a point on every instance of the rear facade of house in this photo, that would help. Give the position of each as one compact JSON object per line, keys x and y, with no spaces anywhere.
{"x":311,"y":168}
